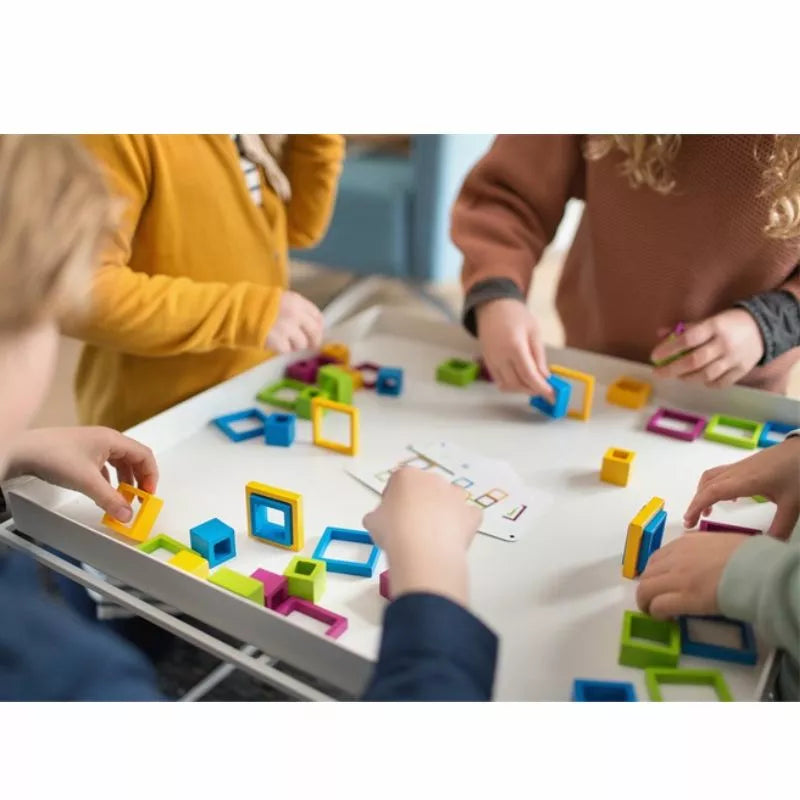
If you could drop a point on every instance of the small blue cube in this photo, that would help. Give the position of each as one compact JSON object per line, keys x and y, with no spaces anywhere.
{"x":279,"y":429}
{"x":584,"y":691}
{"x":389,"y":381}
{"x":774,"y":432}
{"x":214,"y":540}
{"x":562,"y":390}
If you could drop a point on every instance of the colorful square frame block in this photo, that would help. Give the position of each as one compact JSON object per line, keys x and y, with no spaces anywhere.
{"x":143,"y":520}
{"x":162,"y":542}
{"x":306,"y":578}
{"x":633,"y":541}
{"x":336,"y":382}
{"x":457,"y":372}
{"x":697,"y":422}
{"x":318,"y":406}
{"x":336,"y":352}
{"x":585,"y":411}
{"x":304,"y":371}
{"x":617,"y":463}
{"x":712,"y":526}
{"x":279,"y":430}
{"x":746,"y":653}
{"x":225,"y":424}
{"x":214,"y":540}
{"x":655,"y":677}
{"x":773,"y":427}
{"x":651,"y":540}
{"x":271,"y":395}
{"x":246,"y":587}
{"x":649,"y":642}
{"x":586,"y":691}
{"x":629,"y":393}
{"x":750,"y":426}
{"x":190,"y":562}
{"x":337,"y":624}
{"x":372,"y":369}
{"x":274,"y":515}
{"x":389,"y":381}
{"x":362,"y":569}
{"x":303,"y":405}
{"x":276,"y":587}
{"x":562,"y":390}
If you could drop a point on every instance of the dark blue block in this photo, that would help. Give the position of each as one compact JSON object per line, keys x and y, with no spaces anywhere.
{"x":389,"y":381}
{"x":562,"y":390}
{"x":214,"y":540}
{"x":746,"y":654}
{"x":584,"y":691}
{"x":279,"y":429}
{"x":261,"y":525}
{"x":225,"y":424}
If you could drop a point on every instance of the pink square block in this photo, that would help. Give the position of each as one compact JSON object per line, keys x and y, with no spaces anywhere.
{"x":305,"y":371}
{"x":711,"y":525}
{"x":336,"y":622}
{"x":698,"y":424}
{"x":276,"y":587}
{"x":383,"y":584}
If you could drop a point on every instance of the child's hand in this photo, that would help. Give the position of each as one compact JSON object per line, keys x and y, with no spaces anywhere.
{"x":76,"y":458}
{"x":683,"y":576}
{"x":724,"y":348}
{"x":774,"y":473}
{"x":512,"y":347}
{"x":299,"y":325}
{"x":425,"y":526}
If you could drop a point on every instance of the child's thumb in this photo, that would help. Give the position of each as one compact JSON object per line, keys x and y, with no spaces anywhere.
{"x":108,"y":498}
{"x":784,"y":520}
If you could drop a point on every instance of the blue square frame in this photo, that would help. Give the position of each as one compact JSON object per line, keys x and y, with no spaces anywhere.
{"x":651,"y":540}
{"x":225,"y":423}
{"x":268,"y":531}
{"x":772,"y":426}
{"x":585,"y":691}
{"x":562,"y":390}
{"x":363,"y":569}
{"x":746,"y":654}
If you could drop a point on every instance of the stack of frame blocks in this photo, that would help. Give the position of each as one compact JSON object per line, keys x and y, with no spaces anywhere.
{"x":645,"y":533}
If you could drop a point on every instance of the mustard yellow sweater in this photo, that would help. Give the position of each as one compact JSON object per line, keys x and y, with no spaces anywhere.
{"x":188,"y":290}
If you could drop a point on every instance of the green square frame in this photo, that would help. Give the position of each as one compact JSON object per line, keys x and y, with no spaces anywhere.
{"x":734,"y":422}
{"x":162,"y":542}
{"x":654,"y":677}
{"x":663,"y":648}
{"x":269,"y":393}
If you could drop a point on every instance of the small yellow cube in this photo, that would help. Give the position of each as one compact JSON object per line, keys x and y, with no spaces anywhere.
{"x":617,"y":466}
{"x":629,"y":393}
{"x":190,"y":562}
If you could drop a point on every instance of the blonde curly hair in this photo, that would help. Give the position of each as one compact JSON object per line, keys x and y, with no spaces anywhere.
{"x":649,"y":158}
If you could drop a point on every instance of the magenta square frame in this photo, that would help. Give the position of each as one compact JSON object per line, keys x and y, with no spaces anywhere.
{"x":712,"y":526}
{"x":370,"y":366}
{"x":682,"y":416}
{"x":306,"y":370}
{"x":276,"y":587}
{"x":337,"y":624}
{"x":383,"y":585}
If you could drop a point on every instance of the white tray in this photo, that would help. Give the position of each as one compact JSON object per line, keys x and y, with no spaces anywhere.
{"x":556,"y":598}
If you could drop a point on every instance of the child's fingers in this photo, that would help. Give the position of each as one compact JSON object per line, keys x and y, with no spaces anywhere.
{"x":725,"y":488}
{"x":539,"y":354}
{"x":693,"y":336}
{"x":529,"y":376}
{"x":784,"y":520}
{"x":695,"y":361}
{"x":651,"y":587}
{"x":668,"y":605}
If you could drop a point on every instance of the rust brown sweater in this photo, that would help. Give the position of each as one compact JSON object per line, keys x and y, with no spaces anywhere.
{"x":640,"y":260}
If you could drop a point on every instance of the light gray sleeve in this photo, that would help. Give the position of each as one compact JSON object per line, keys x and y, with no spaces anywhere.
{"x":761,"y":585}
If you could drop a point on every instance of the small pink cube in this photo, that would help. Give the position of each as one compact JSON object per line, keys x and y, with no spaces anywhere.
{"x":276,"y":587}
{"x":304,"y":371}
{"x":383,"y":583}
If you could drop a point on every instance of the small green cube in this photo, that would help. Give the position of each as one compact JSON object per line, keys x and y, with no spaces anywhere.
{"x":276,"y":393}
{"x":749,"y":426}
{"x":162,"y":542}
{"x":655,"y":676}
{"x":303,"y":405}
{"x":336,"y":383}
{"x":649,"y":642}
{"x":457,"y":372}
{"x":235,"y":582}
{"x":306,"y":578}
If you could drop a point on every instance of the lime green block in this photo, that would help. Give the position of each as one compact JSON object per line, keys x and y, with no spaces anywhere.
{"x":162,"y":542}
{"x":654,"y":677}
{"x":303,"y":406}
{"x":649,"y":642}
{"x":457,"y":372}
{"x":235,"y":582}
{"x":275,"y":393}
{"x":759,"y":498}
{"x":306,"y":578}
{"x":336,"y":383}
{"x":751,"y":427}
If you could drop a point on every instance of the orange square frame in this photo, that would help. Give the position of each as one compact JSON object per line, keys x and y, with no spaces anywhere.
{"x":143,"y":522}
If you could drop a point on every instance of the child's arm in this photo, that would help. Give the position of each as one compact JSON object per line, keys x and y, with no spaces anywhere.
{"x":313,"y":164}
{"x":432,"y":647}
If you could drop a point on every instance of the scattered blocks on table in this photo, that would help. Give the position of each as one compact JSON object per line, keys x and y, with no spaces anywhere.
{"x":697,"y":423}
{"x":306,"y":578}
{"x":246,"y":587}
{"x":162,"y":542}
{"x":586,"y":691}
{"x":225,"y":424}
{"x":282,"y":394}
{"x":633,"y":541}
{"x":303,"y":405}
{"x":384,"y":588}
{"x":752,"y":428}
{"x":318,"y":406}
{"x":651,"y":540}
{"x":585,"y":411}
{"x":775,"y":432}
{"x":562,"y":390}
{"x":190,"y":562}
{"x":337,"y":624}
{"x":336,"y":352}
{"x":274,"y":516}
{"x":654,"y":677}
{"x":371,"y":377}
{"x":746,"y":653}
{"x":214,"y":540}
{"x":617,"y":465}
{"x":336,"y":383}
{"x":629,"y":393}
{"x":457,"y":372}
{"x":276,"y":587}
{"x":279,"y":429}
{"x":305,"y":370}
{"x":649,"y":642}
{"x":363,"y":569}
{"x":389,"y":381}
{"x":143,"y":519}
{"x":714,"y":526}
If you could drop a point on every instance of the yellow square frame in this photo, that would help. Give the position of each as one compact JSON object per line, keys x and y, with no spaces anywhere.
{"x":629,"y":392}
{"x":292,"y":499}
{"x":145,"y":518}
{"x":321,"y":404}
{"x":635,"y":532}
{"x":585,"y":410}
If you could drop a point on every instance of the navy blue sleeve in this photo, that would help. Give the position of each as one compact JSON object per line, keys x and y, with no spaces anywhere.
{"x":47,"y":652}
{"x":433,"y":649}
